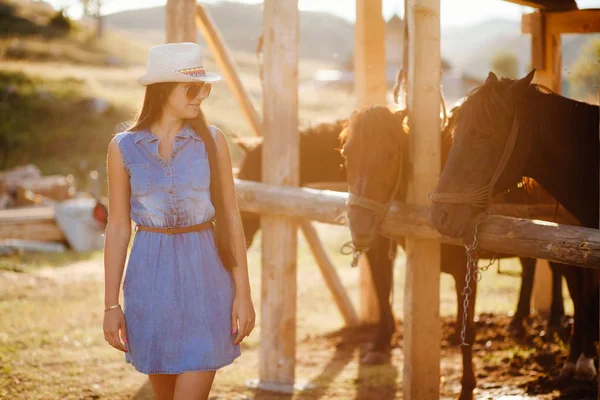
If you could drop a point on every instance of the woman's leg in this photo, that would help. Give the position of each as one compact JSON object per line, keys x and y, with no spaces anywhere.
{"x":193,"y":385}
{"x":163,"y":385}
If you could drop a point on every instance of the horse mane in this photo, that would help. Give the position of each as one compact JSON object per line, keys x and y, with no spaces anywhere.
{"x":484,"y":102}
{"x":386,"y":118}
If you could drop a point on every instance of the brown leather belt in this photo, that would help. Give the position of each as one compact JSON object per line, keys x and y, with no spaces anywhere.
{"x":176,"y":229}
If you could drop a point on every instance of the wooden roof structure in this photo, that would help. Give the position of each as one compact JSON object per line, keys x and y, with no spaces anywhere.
{"x":548,"y":5}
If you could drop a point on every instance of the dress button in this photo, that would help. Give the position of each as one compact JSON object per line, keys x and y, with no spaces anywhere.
{"x":170,"y":191}
{"x":173,"y":212}
{"x":168,"y":172}
{"x":172,"y":155}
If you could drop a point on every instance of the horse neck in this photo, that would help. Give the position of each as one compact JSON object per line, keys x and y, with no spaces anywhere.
{"x":564,"y":152}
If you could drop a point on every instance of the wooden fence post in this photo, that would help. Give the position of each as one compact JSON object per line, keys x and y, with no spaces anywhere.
{"x":180,"y":22}
{"x":370,"y":88}
{"x":422,"y":330}
{"x":279,"y":167}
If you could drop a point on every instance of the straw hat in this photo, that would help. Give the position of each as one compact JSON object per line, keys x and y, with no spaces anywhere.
{"x":176,"y":62}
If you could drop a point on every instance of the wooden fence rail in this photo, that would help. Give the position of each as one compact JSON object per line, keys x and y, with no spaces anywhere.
{"x":518,"y":235}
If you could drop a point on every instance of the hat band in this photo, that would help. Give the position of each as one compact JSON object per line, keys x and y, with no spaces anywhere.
{"x":193,"y":72}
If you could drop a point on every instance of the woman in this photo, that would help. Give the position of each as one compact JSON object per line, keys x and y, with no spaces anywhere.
{"x":186,"y":293}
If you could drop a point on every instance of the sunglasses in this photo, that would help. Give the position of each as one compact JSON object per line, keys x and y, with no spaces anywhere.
{"x":203,"y":89}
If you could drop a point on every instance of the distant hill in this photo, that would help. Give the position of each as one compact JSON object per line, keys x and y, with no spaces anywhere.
{"x":326,"y":37}
{"x":322,"y":36}
{"x":34,"y":31}
{"x":471,"y":48}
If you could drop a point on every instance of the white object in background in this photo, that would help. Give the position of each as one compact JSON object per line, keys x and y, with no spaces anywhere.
{"x":75,"y":218}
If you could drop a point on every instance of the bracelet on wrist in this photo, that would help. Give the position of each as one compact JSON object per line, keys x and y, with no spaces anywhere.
{"x":111,"y":307}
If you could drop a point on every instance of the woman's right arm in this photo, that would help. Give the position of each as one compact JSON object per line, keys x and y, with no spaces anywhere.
{"x":116,"y":240}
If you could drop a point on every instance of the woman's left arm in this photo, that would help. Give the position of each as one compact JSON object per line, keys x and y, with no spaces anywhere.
{"x":243,"y":309}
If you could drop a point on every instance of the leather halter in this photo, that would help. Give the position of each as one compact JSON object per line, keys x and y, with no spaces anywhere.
{"x":482,"y":197}
{"x":379,"y":208}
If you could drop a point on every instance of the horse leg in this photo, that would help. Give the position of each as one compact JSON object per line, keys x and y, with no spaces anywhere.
{"x":454,"y":261}
{"x":585,"y":368}
{"x":574,"y":278}
{"x":516,"y":327}
{"x":557,"y":308}
{"x":381,"y":271}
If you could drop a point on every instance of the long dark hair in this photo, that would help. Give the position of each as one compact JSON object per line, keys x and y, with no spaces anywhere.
{"x":152,"y":108}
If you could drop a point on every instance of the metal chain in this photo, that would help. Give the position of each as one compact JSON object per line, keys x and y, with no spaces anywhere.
{"x":473,"y":271}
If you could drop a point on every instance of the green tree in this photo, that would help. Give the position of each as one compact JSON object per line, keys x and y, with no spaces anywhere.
{"x":505,"y":64}
{"x":585,"y":75}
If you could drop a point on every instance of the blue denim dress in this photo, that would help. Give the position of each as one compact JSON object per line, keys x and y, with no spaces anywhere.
{"x":177,"y":296}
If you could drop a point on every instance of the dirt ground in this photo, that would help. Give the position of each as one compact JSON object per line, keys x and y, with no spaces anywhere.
{"x":52,"y":346}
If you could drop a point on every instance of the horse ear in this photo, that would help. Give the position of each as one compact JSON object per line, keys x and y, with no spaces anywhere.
{"x":242,"y":145}
{"x":518,"y":87}
{"x":247,"y":144}
{"x":491,"y":77}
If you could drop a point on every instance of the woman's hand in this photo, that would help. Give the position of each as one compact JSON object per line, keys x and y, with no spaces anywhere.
{"x":242,"y":312}
{"x":114,"y":320}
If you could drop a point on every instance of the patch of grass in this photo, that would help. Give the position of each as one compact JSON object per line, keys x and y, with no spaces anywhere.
{"x":29,"y":261}
{"x":52,"y":122}
{"x":51,"y":342}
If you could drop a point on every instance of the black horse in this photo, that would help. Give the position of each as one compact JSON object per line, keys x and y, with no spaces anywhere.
{"x":510,"y":129}
{"x":320,"y":161}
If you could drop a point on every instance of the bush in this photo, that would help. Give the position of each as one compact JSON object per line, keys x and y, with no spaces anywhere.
{"x":12,"y":24}
{"x":585,"y":76}
{"x":51,"y":123}
{"x":60,"y":23}
{"x":505,"y":64}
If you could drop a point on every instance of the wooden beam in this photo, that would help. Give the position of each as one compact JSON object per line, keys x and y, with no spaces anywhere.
{"x":180,"y":24}
{"x":227,"y":65}
{"x":335,"y":186}
{"x":551,"y":75}
{"x":533,"y":238}
{"x":370,"y":88}
{"x":369,"y":53}
{"x":31,"y":223}
{"x":422,"y":328}
{"x":332,"y":280}
{"x":542,"y":288}
{"x":547,"y":4}
{"x":280,"y":163}
{"x":534,"y":24}
{"x":576,"y":21}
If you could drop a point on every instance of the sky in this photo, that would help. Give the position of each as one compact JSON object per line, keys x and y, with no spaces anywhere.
{"x":453,"y":12}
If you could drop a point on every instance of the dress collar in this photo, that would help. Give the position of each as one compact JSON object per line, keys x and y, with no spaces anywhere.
{"x":185,"y":132}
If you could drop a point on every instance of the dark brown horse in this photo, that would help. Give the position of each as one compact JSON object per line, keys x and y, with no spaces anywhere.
{"x":509,"y":129}
{"x":320,"y":161}
{"x":375,"y":147}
